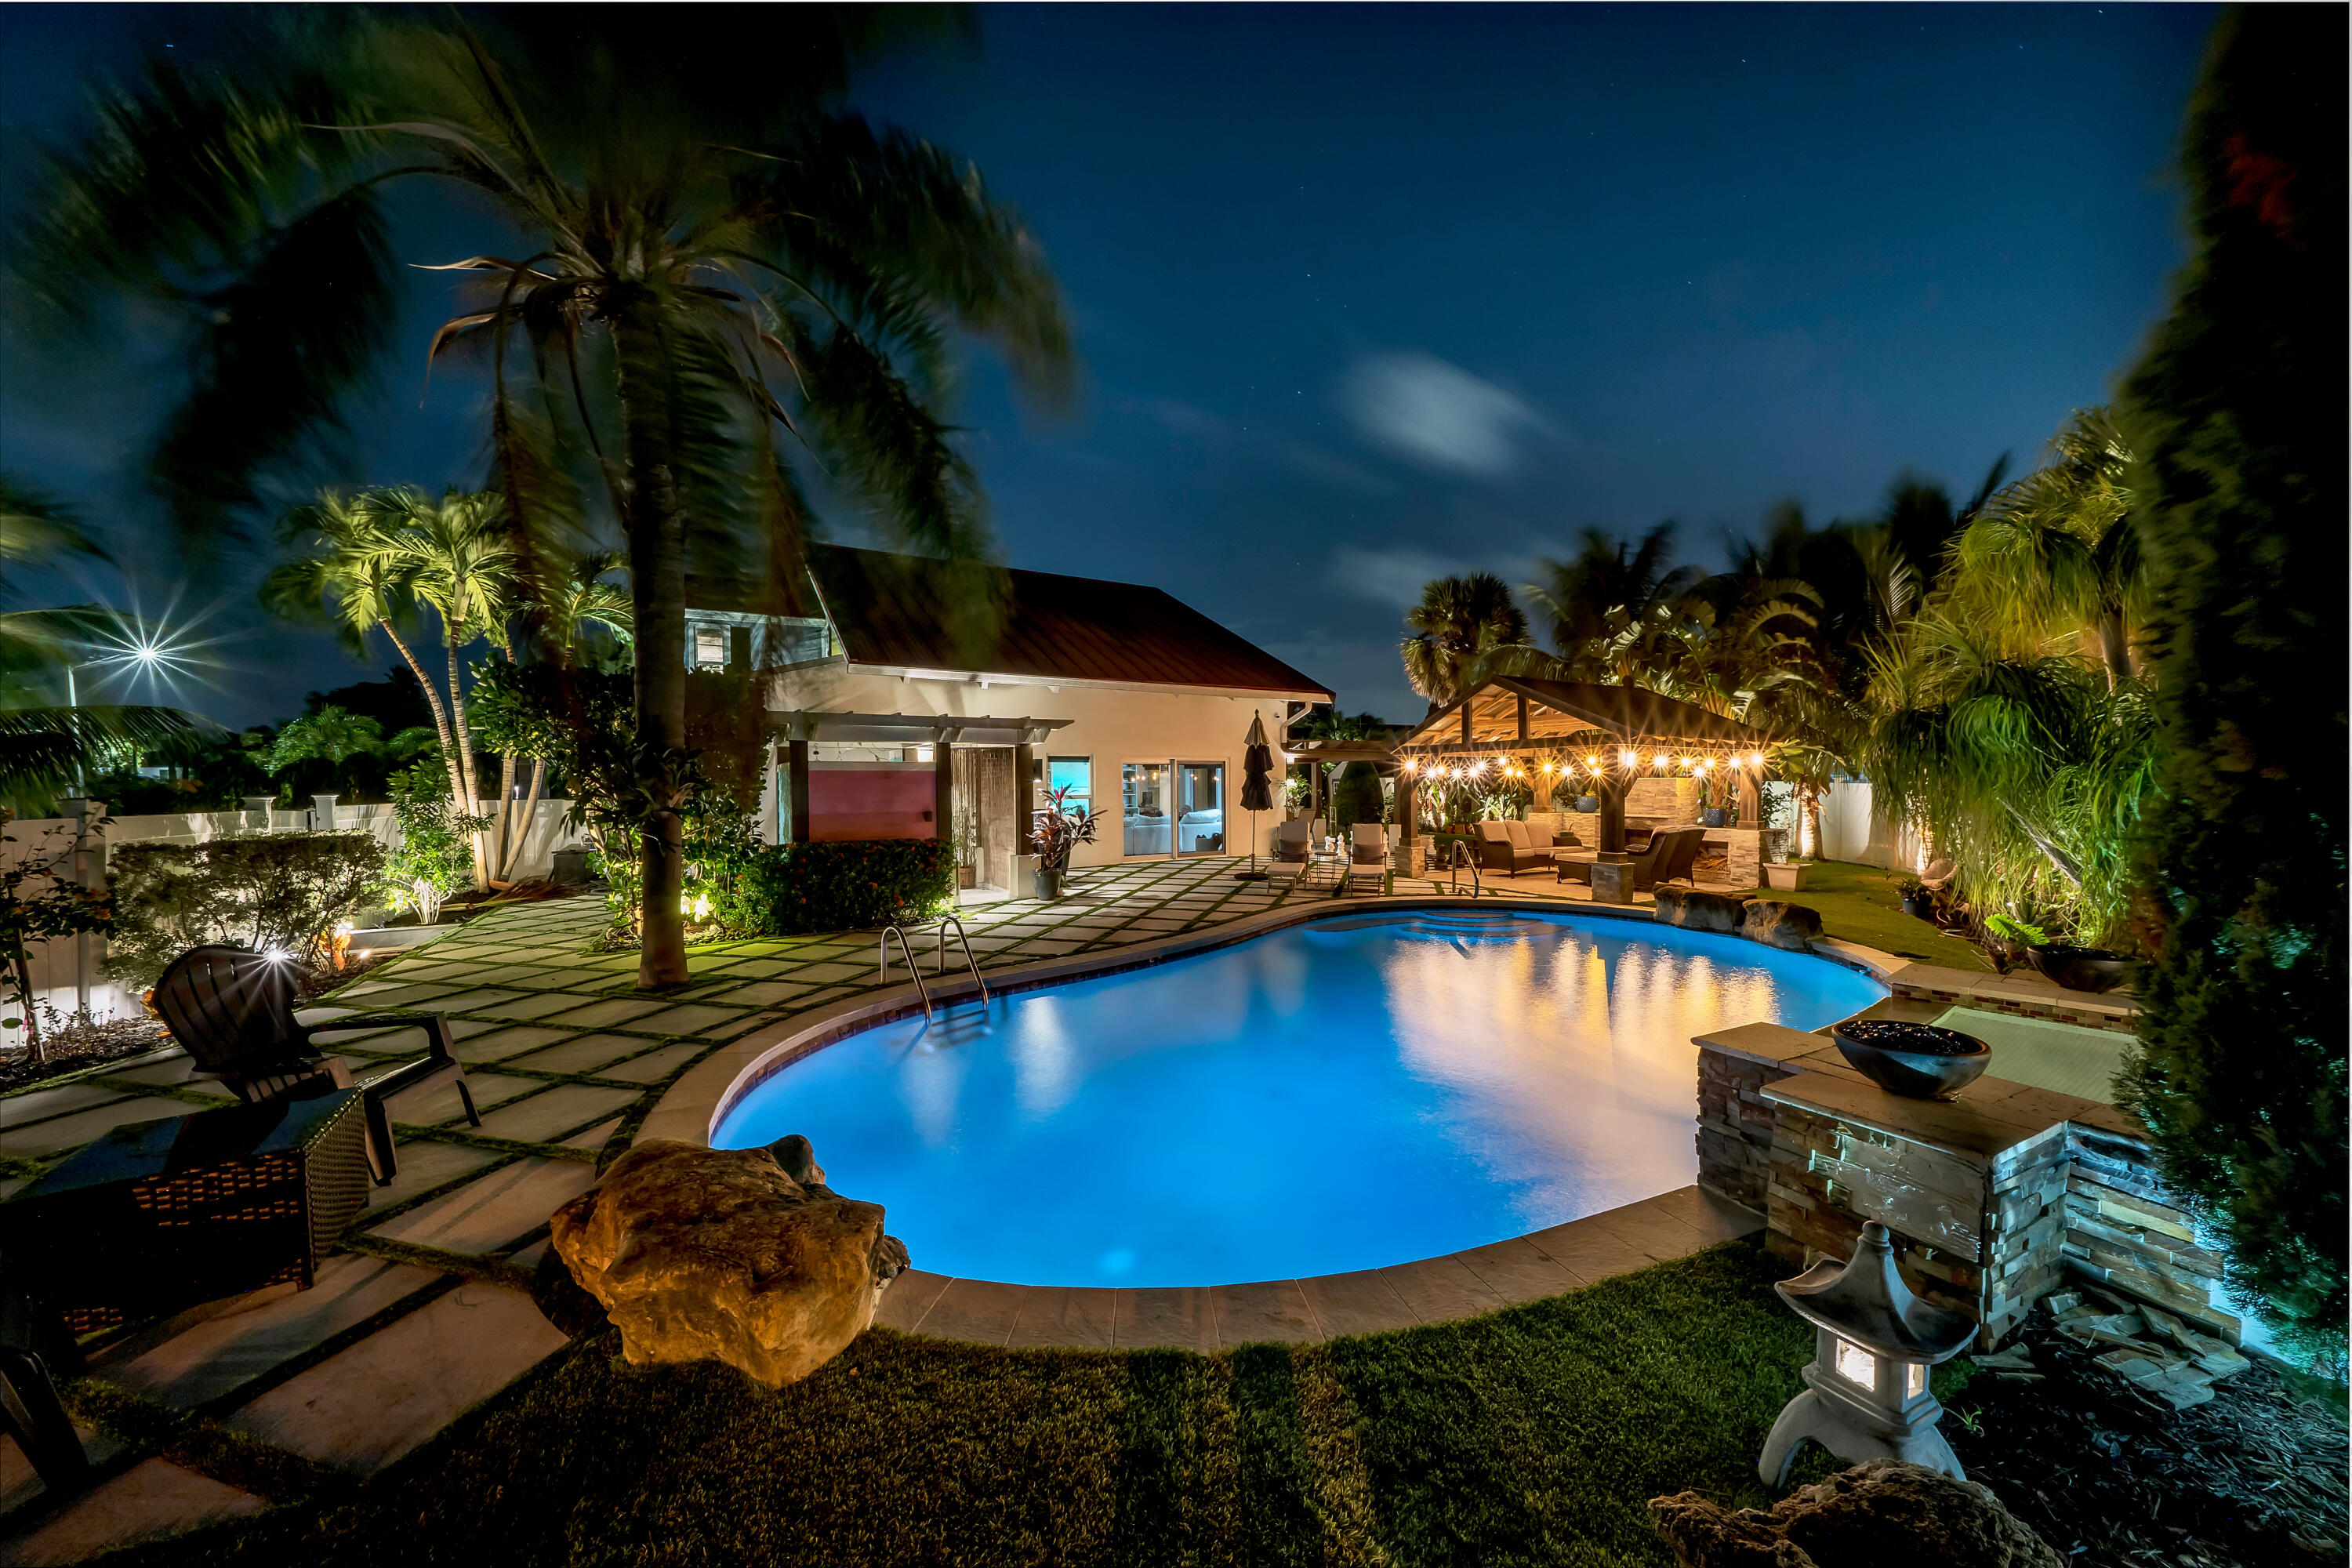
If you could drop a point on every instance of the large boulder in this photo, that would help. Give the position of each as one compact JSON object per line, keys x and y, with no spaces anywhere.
{"x":1695,"y":910}
{"x":1876,"y":1514}
{"x":736,"y":1255}
{"x":1778,"y":923}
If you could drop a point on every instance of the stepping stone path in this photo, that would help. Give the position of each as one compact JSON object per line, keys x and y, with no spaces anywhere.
{"x":425,"y":1313}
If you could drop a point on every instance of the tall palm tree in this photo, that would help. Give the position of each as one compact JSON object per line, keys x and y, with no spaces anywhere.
{"x":2057,"y":553}
{"x":1465,"y":630}
{"x":713,"y":272}
{"x":1614,"y":615}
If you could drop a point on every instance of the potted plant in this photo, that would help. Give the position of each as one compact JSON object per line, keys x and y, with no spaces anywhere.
{"x":1917,"y":902}
{"x":1057,"y":829}
{"x":2008,"y":941}
{"x":1588,"y":803}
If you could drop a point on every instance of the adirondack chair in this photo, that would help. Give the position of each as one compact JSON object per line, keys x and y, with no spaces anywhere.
{"x":233,"y":1011}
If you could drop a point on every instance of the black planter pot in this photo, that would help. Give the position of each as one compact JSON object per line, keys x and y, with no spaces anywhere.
{"x":2080,"y":968}
{"x":1714,"y":817}
{"x":1918,"y":1061}
{"x":1045,"y":884}
{"x":1920,"y":908}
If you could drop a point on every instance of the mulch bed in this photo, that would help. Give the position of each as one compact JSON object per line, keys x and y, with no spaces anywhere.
{"x":2112,"y":1480}
{"x":78,"y":1046}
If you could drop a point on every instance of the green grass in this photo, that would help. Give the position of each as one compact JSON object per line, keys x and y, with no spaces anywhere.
{"x":1533,"y":1436}
{"x":1860,"y":903}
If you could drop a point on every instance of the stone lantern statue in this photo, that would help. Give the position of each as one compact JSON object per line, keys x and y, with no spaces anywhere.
{"x":1866,"y":1391}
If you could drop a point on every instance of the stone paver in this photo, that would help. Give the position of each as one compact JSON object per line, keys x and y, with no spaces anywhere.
{"x":366,"y":1406}
{"x":263,"y":1331}
{"x":151,"y":1500}
{"x":494,"y":1211}
{"x":556,"y":1111}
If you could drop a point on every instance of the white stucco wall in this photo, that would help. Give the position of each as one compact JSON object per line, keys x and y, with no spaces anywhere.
{"x":1111,"y":725}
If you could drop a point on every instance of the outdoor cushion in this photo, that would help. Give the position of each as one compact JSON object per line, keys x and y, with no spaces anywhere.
{"x":1518,"y":832}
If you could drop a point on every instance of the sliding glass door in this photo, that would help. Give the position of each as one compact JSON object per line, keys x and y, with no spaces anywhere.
{"x":1145,"y":825}
{"x":1200,"y":808}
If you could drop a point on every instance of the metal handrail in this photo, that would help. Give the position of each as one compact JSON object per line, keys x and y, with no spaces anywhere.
{"x":945,"y":921}
{"x":883,"y":952}
{"x":1461,"y":857}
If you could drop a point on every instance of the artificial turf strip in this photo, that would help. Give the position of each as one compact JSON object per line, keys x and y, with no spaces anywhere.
{"x":1533,"y":1436}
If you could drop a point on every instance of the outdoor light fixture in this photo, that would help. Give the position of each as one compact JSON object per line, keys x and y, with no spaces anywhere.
{"x":1755,"y":759}
{"x":1866,"y":1389}
{"x":1659,"y":761}
{"x":1628,"y":760}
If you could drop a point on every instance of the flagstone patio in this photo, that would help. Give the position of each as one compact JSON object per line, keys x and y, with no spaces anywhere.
{"x":425,"y":1313}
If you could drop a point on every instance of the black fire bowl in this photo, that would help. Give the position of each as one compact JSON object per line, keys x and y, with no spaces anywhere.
{"x":2080,"y":968}
{"x":1918,"y":1061}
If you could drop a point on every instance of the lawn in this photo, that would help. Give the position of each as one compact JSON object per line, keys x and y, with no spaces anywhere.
{"x":1860,"y":903}
{"x":1532,"y":1436}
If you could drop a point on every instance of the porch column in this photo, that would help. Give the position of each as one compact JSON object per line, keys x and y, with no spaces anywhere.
{"x":1466,"y":721}
{"x":796,"y":777}
{"x":1024,"y":795}
{"x":942,"y":788}
{"x":1612,"y":790}
{"x":1523,"y":721}
{"x":1407,"y":809}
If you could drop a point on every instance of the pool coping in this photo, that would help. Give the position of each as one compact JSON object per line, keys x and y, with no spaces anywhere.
{"x":1484,"y":1279}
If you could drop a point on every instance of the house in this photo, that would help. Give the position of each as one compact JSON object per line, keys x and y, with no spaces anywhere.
{"x":911,"y":698}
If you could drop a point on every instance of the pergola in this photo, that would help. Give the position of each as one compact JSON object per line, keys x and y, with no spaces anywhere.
{"x":1603,"y":737}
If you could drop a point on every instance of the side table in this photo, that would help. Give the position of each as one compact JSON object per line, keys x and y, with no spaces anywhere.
{"x":163,"y":1214}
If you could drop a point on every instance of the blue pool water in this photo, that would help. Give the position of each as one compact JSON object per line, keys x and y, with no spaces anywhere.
{"x":1360,"y":1091}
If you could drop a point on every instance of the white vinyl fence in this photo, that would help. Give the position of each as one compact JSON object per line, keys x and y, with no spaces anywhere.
{"x":68,"y":974}
{"x":1852,"y":829}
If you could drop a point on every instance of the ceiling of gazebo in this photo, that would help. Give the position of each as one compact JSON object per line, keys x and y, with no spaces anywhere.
{"x":1558,"y":711}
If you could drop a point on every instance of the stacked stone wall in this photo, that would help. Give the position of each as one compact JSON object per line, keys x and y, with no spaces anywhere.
{"x":2025,"y":1226}
{"x":2055,"y":1011}
{"x":1735,"y":1125}
{"x":1829,"y":1176}
{"x":2124,"y":1229}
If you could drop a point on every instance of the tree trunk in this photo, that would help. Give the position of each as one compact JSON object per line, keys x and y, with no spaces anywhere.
{"x":657,"y":600}
{"x":440,"y":713}
{"x":35,"y":1052}
{"x":2115,"y":647}
{"x":472,"y":804}
{"x":525,"y":819}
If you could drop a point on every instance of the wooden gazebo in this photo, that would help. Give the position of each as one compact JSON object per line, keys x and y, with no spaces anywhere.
{"x":1599,"y":737}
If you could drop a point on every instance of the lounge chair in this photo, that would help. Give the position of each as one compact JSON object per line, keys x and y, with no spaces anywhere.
{"x":1675,"y":852}
{"x":233,"y":1011}
{"x":1510,"y":848}
{"x":1294,"y":843}
{"x":1367,"y":854}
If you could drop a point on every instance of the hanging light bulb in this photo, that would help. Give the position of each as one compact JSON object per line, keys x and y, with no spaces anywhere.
{"x":1659,"y":761}
{"x":1629,"y":760}
{"x":1755,"y":759}
{"x":1592,"y":763}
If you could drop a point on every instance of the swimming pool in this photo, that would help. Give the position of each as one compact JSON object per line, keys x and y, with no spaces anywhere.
{"x":1358,"y":1091}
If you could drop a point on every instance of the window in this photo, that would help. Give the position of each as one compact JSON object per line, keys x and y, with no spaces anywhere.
{"x":1075,"y":774}
{"x":1143,"y":826}
{"x":709,"y":647}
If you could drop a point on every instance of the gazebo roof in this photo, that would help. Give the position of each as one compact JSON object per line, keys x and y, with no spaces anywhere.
{"x":1558,"y":710}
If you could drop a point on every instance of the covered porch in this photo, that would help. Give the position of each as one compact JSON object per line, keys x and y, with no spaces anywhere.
{"x":841,"y":775}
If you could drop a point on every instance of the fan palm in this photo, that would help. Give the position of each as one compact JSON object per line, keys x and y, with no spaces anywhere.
{"x":1465,"y":630}
{"x":1614,"y":615}
{"x":707,"y":261}
{"x":2057,"y":553}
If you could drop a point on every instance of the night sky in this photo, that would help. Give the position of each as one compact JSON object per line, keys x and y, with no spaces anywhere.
{"x":1364,"y":297}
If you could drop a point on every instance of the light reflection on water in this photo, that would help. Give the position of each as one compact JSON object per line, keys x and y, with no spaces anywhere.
{"x":1325,"y":1099}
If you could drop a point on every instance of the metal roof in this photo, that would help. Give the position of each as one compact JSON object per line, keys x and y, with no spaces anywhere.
{"x":906,"y":612}
{"x":1557,"y":709}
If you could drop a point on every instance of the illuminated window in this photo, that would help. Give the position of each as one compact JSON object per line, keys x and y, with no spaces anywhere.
{"x":1856,"y":1364}
{"x":1915,"y":1379}
{"x":710,"y":647}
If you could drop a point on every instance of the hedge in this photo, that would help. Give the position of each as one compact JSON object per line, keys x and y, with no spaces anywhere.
{"x":846,"y":885}
{"x":281,"y":890}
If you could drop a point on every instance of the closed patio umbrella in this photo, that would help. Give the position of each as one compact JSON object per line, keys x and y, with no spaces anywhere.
{"x":1258,"y":795}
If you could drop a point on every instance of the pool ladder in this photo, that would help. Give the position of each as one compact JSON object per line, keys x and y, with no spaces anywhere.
{"x":906,"y":947}
{"x":1460,"y":857}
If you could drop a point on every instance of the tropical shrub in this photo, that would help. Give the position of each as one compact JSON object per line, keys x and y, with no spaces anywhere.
{"x":2238,"y":411}
{"x":844,"y":885}
{"x":279,"y":892}
{"x":1356,"y":796}
{"x":436,"y":857}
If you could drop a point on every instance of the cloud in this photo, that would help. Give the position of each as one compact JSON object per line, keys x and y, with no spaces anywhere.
{"x":1436,"y":414}
{"x":1178,"y":418}
{"x":1389,"y":576}
{"x":1335,"y":470}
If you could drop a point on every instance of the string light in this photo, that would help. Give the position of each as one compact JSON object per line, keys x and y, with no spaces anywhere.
{"x":1659,"y":761}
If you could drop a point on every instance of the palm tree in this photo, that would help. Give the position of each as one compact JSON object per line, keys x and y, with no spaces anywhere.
{"x":1465,"y":631}
{"x":2057,"y":553}
{"x":1614,"y":616}
{"x":708,"y":260}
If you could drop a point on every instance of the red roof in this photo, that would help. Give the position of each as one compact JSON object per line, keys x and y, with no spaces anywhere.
{"x":906,"y":612}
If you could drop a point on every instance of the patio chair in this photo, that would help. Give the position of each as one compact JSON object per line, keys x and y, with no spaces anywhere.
{"x":1367,"y":854}
{"x":233,"y":1011}
{"x":1674,"y":857}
